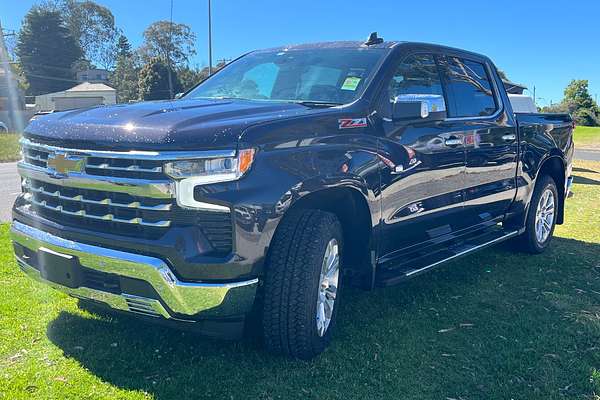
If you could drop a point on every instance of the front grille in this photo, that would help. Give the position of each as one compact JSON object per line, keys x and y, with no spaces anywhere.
{"x":102,"y":206}
{"x":137,"y":213}
{"x":103,"y":166}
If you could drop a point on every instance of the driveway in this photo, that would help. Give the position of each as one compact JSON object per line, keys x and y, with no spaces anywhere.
{"x":590,"y":155}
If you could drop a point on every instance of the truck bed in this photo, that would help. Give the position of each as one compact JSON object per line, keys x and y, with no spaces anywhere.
{"x":557,"y":128}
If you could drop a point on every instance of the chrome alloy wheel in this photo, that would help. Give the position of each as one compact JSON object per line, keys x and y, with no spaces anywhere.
{"x":544,"y":216}
{"x":328,"y":286}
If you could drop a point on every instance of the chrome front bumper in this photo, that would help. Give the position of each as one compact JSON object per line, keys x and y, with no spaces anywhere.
{"x":179,"y":300}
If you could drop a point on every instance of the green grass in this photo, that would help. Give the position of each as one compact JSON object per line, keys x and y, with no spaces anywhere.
{"x":495,"y":325}
{"x":9,"y":147}
{"x":587,"y":137}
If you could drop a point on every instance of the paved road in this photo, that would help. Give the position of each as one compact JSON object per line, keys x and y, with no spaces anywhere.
{"x":587,"y":155}
{"x":10,"y":187}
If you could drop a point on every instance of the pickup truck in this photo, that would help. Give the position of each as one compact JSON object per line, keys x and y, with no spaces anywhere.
{"x":293,"y":172}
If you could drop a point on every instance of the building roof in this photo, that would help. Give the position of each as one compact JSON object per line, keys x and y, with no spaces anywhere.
{"x":92,"y":70}
{"x":514,"y":88}
{"x":91,"y":87}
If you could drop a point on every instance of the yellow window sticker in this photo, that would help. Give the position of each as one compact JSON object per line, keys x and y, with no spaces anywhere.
{"x":351,"y":83}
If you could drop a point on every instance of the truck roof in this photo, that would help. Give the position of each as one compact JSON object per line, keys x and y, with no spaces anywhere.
{"x":356,"y":44}
{"x":345,"y":44}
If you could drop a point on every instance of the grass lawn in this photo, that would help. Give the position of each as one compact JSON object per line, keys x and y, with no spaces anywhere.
{"x":495,"y":325}
{"x":587,"y":137}
{"x":9,"y":147}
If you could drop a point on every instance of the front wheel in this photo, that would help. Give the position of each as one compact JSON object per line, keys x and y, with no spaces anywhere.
{"x":541,"y":219}
{"x":302,"y":283}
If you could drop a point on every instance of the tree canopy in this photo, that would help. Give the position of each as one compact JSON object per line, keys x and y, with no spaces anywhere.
{"x":154,"y":81}
{"x":46,"y":51}
{"x":123,"y":47}
{"x":585,"y":109}
{"x":171,"y":42}
{"x":93,"y":26}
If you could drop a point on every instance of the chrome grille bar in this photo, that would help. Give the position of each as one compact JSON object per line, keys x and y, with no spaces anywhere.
{"x":135,"y":187}
{"x":107,"y":201}
{"x":105,"y":217}
{"x":131,"y":168}
{"x":132,"y":155}
{"x":36,"y":158}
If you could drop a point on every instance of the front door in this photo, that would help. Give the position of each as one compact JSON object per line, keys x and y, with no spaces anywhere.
{"x":423,"y":177}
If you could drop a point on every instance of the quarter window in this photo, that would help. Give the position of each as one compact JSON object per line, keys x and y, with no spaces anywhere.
{"x":468,"y":88}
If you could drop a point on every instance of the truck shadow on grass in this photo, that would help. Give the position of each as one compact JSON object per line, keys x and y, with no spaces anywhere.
{"x":479,"y":327}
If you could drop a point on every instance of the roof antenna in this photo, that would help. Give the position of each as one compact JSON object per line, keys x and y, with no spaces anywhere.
{"x":373,"y":39}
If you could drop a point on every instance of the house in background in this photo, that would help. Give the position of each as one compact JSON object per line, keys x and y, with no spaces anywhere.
{"x":94,"y":75}
{"x":81,"y":96}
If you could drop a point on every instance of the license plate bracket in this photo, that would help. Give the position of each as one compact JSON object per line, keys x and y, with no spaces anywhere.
{"x":63,"y":269}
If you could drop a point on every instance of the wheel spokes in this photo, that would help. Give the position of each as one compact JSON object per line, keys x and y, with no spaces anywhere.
{"x":328,"y":285}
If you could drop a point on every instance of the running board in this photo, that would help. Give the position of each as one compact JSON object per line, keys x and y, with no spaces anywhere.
{"x":393,"y":276}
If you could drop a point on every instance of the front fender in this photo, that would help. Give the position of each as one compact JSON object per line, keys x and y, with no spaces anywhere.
{"x":280,"y":178}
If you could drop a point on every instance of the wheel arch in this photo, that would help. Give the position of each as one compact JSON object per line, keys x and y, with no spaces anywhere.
{"x":554,"y":166}
{"x":351,"y":206}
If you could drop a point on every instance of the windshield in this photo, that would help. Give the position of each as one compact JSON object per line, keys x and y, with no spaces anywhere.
{"x":331,"y":76}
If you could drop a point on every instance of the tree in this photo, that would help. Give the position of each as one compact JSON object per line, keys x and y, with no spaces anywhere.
{"x":93,"y":26}
{"x":125,"y":78}
{"x":171,"y":42}
{"x":154,"y":81}
{"x":190,"y":77}
{"x":46,"y":51}
{"x":578,"y":98}
{"x":123,"y":47}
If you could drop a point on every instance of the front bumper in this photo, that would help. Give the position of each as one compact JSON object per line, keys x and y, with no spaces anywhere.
{"x":136,"y":283}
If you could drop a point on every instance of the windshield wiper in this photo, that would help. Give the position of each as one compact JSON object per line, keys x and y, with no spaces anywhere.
{"x":316,"y":104}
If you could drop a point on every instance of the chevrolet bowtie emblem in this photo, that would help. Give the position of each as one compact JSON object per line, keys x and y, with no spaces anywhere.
{"x":62,"y":163}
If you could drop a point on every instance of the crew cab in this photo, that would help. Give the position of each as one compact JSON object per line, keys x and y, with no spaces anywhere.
{"x":289,"y":174}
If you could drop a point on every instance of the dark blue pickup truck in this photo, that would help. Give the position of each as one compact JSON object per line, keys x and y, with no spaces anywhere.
{"x":289,"y":174}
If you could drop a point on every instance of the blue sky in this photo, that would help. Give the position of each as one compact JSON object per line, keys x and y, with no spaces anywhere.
{"x":543,"y":43}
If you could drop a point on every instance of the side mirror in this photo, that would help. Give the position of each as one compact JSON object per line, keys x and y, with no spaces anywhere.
{"x":409,"y":110}
{"x":178,"y":96}
{"x":410,"y":107}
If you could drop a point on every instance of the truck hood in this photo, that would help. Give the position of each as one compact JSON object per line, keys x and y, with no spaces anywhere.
{"x":165,"y":125}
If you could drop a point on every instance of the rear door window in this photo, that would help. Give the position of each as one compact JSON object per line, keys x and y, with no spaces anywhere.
{"x":468,"y":88}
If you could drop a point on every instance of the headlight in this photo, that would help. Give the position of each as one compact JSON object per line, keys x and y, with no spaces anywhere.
{"x":190,"y":173}
{"x":212,"y":170}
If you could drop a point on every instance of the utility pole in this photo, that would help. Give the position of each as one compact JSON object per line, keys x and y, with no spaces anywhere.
{"x":171,"y":94}
{"x":209,"y":40}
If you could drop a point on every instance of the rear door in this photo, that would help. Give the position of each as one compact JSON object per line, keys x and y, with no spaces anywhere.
{"x":476,"y":109}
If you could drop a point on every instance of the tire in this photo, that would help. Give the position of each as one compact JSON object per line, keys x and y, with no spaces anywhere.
{"x":293,"y":285}
{"x":531,"y":240}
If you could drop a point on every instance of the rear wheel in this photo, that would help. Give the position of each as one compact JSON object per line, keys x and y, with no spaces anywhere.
{"x":302,"y":284}
{"x":541,"y":218}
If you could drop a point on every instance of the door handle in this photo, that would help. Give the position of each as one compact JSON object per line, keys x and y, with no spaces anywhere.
{"x":510,"y":137}
{"x":453,"y":142}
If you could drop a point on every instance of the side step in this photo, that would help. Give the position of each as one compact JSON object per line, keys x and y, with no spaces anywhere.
{"x":420,"y":264}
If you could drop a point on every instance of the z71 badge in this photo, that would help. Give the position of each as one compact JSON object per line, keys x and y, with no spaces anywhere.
{"x":346,"y":123}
